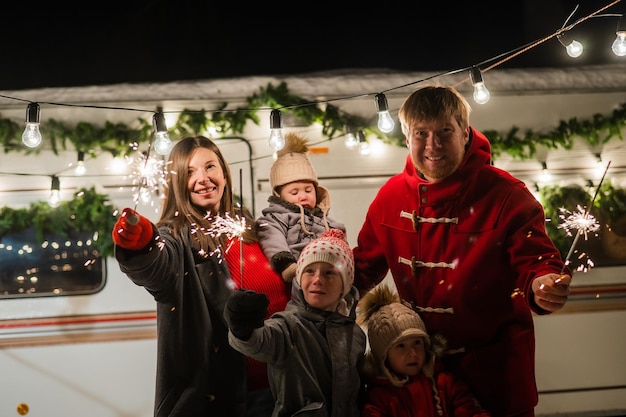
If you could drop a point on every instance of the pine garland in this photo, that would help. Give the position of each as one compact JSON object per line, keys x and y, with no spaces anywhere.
{"x":117,"y":138}
{"x":90,"y":211}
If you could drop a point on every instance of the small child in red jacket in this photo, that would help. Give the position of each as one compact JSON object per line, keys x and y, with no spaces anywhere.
{"x":399,"y":369}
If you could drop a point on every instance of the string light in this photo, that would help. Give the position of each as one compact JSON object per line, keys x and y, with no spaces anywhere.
{"x":364,"y":146}
{"x":599,"y":170}
{"x":162,"y":143}
{"x":381,"y":99}
{"x":351,"y":141}
{"x":80,"y":164}
{"x":54,"y":200}
{"x":619,"y":44}
{"x":572,"y":46}
{"x":545,"y":175}
{"x":277,"y":138}
{"x":481,"y":94}
{"x":385,"y":121}
{"x":118,"y":165}
{"x":31,"y":136}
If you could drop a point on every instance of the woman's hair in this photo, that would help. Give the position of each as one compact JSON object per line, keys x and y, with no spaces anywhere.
{"x":178,"y":211}
{"x":434,"y":103}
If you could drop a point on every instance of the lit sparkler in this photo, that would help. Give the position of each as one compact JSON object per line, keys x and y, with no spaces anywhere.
{"x":583,"y":222}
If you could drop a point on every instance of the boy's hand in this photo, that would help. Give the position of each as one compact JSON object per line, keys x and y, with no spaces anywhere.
{"x":245,"y":311}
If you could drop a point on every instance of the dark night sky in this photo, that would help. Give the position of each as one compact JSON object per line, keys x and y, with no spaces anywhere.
{"x":134,"y":42}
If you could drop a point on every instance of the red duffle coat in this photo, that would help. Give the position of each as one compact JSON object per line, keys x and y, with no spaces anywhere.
{"x":465,"y":251}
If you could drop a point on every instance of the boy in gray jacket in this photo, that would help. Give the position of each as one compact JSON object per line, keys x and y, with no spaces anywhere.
{"x":314,"y":348}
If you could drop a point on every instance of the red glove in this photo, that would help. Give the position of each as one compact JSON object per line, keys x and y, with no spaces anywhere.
{"x":132,"y":230}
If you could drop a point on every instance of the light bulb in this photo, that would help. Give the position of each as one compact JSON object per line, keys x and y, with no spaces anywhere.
{"x":80,"y":169}
{"x":572,"y":46}
{"x":385,"y":121}
{"x":80,"y":165}
{"x":481,"y":94}
{"x":55,"y":198}
{"x":55,"y":192}
{"x":619,"y":44}
{"x":574,"y":49}
{"x":162,"y":142}
{"x":277,"y":139}
{"x":31,"y":136}
{"x":118,"y":165}
{"x":599,"y":170}
{"x":350,"y":141}
{"x":545,"y":175}
{"x":364,"y":148}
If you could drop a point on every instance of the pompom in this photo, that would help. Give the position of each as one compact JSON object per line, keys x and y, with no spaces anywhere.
{"x":294,"y":143}
{"x":439,"y":345}
{"x":371,"y":302}
{"x":334,"y":234}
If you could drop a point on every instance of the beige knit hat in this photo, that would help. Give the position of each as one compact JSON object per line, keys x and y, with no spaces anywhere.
{"x":292,"y":163}
{"x":389,"y":321}
{"x":333,"y":248}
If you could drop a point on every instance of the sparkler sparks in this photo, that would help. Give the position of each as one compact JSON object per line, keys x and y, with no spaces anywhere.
{"x":232,"y":228}
{"x":147,"y":175}
{"x":227,"y":226}
{"x":580,"y":221}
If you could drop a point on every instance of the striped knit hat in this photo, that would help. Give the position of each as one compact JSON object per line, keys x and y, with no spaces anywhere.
{"x":333,"y":248}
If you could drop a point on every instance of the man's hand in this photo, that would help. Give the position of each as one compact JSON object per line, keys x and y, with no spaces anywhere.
{"x":551,"y":291}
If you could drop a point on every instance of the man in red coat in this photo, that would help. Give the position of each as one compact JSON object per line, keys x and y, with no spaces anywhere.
{"x":466,"y":243}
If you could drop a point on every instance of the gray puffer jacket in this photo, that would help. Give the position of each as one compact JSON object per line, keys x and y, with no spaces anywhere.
{"x":284,"y":228}
{"x":313,"y":359}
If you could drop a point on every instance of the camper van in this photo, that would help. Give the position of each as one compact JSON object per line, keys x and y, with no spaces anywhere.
{"x":85,"y":344}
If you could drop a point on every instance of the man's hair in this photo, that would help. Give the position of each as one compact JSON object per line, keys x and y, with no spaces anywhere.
{"x":434,"y":103}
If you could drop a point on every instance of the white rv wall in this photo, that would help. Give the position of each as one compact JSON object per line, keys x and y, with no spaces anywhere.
{"x":577,"y":350}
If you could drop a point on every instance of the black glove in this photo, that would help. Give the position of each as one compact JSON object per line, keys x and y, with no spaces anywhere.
{"x":245,"y":311}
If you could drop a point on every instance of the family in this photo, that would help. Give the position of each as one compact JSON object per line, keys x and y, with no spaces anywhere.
{"x":313,"y":331}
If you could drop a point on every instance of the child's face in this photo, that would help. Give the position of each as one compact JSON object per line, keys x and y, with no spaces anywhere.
{"x":322,"y":285}
{"x":407,"y":357}
{"x":299,"y":192}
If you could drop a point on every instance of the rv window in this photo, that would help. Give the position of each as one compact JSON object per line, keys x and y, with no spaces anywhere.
{"x":56,"y":266}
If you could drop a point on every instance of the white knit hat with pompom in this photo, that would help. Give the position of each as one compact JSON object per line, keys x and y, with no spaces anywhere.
{"x":330,"y":247}
{"x":292,"y":164}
